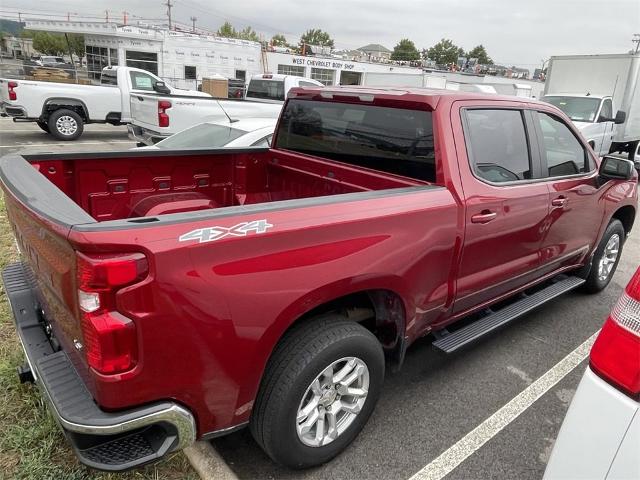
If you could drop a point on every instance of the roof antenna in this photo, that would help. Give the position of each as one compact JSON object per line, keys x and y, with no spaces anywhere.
{"x":231,"y":120}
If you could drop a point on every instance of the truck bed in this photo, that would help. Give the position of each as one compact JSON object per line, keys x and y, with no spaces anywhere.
{"x":146,"y":184}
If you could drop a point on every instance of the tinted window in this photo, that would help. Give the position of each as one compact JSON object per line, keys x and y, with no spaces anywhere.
{"x":393,"y":140}
{"x":205,"y":135}
{"x":109,"y":77}
{"x":498,"y":145}
{"x":607,"y":109}
{"x":141,"y":81}
{"x":561,"y":150}
{"x":269,"y":89}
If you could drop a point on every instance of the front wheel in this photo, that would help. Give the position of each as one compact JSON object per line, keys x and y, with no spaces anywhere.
{"x":606,"y":257}
{"x":319,"y":390}
{"x":65,"y":124}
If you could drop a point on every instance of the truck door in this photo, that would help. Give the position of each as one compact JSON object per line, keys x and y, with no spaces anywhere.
{"x":606,"y":119}
{"x":575,"y":214}
{"x":135,"y":81}
{"x":505,"y":206}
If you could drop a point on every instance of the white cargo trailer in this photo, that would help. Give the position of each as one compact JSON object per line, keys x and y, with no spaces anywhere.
{"x":591,"y":89}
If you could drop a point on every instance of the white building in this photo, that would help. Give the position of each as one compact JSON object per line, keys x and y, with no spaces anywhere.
{"x":182,"y":58}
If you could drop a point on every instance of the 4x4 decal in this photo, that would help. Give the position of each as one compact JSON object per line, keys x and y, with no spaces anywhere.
{"x":209,"y":234}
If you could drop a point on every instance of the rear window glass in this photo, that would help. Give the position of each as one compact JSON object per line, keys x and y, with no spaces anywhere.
{"x":269,"y":89}
{"x":393,"y":140}
{"x":204,"y":135}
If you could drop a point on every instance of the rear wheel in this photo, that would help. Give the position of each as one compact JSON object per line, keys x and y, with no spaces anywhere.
{"x":318,"y":391}
{"x":606,"y":257}
{"x":43,"y":126}
{"x":65,"y":124}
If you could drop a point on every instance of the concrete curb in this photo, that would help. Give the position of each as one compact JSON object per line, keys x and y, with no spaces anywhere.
{"x":208,"y":463}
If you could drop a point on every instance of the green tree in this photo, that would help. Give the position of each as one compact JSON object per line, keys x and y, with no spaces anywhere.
{"x":49,"y":44}
{"x":315,"y":36}
{"x":445,"y":51}
{"x":248,"y":33}
{"x":278,"y":40}
{"x":227,"y":30}
{"x":77,"y":44}
{"x":480,"y":53}
{"x":405,"y":50}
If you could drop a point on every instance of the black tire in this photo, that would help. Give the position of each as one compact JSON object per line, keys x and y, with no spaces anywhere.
{"x":595,"y":282}
{"x":305,"y":352}
{"x":43,"y":126}
{"x":62,"y":131}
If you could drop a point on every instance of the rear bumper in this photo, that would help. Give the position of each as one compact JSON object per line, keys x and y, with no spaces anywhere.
{"x":10,"y":110}
{"x":142,"y":135}
{"x":112,"y":441}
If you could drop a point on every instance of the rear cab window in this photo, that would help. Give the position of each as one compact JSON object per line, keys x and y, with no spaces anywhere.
{"x":266,"y":89}
{"x":393,"y":140}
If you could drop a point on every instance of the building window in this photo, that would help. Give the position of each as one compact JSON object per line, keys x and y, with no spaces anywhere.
{"x":241,"y":75}
{"x":189,"y":72}
{"x":113,"y":56}
{"x":323,"y":75}
{"x":291,"y":70}
{"x":97,"y":59}
{"x":144,"y":60}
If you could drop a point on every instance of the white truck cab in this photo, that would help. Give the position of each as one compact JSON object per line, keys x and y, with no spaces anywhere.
{"x":273,"y":88}
{"x":592,"y":114}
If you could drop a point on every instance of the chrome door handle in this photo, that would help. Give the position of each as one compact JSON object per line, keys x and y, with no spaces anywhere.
{"x":559,"y":202}
{"x":484,"y":217}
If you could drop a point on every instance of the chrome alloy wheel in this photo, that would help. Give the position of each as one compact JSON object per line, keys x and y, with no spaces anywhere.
{"x":66,"y":125}
{"x":332,"y":401}
{"x":609,"y":257}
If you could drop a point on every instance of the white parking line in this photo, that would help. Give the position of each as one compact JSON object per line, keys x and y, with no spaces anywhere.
{"x":476,"y":438}
{"x":60,"y":144}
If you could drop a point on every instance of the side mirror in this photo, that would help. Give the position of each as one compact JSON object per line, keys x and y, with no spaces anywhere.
{"x":161,"y":87}
{"x":616,"y":168}
{"x":621,"y":117}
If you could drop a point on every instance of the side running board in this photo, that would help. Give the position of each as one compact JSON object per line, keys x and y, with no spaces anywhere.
{"x":451,"y":342}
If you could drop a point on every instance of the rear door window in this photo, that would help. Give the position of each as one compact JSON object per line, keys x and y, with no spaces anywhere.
{"x":393,"y":140}
{"x":497,"y":145}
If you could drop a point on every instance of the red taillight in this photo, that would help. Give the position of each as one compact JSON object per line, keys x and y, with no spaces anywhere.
{"x":110,"y":339}
{"x":615,"y":355}
{"x":12,"y":93}
{"x":163,"y":118}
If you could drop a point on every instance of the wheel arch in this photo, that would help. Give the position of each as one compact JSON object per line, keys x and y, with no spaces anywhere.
{"x":381,"y":305}
{"x":56,"y":103}
{"x":626,"y":215}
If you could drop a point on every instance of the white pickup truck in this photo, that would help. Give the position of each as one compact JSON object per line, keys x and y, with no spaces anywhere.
{"x":590,"y":89}
{"x":62,"y":109}
{"x":156,"y":117}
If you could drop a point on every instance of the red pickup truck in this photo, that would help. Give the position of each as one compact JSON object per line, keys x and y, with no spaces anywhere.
{"x":170,"y":296}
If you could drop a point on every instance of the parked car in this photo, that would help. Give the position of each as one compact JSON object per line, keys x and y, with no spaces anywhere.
{"x":156,"y":117}
{"x":600,"y":436}
{"x":170,"y":296}
{"x":250,"y":132}
{"x":592,"y":101}
{"x":270,"y":88}
{"x":62,"y":109}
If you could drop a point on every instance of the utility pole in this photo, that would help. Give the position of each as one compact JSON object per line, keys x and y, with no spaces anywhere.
{"x":106,"y":16}
{"x":193,"y":23}
{"x":169,"y":5}
{"x":124,"y":17}
{"x":636,"y":40}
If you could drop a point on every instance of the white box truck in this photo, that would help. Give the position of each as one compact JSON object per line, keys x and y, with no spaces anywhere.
{"x":601,"y":95}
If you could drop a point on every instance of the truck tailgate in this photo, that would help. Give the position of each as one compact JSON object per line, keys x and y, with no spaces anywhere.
{"x":41,"y":222}
{"x":144,"y":111}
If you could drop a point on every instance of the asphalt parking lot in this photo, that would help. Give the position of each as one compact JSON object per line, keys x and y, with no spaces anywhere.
{"x":434,"y":401}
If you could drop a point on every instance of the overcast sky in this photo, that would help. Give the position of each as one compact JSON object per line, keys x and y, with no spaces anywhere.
{"x":520,"y":32}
